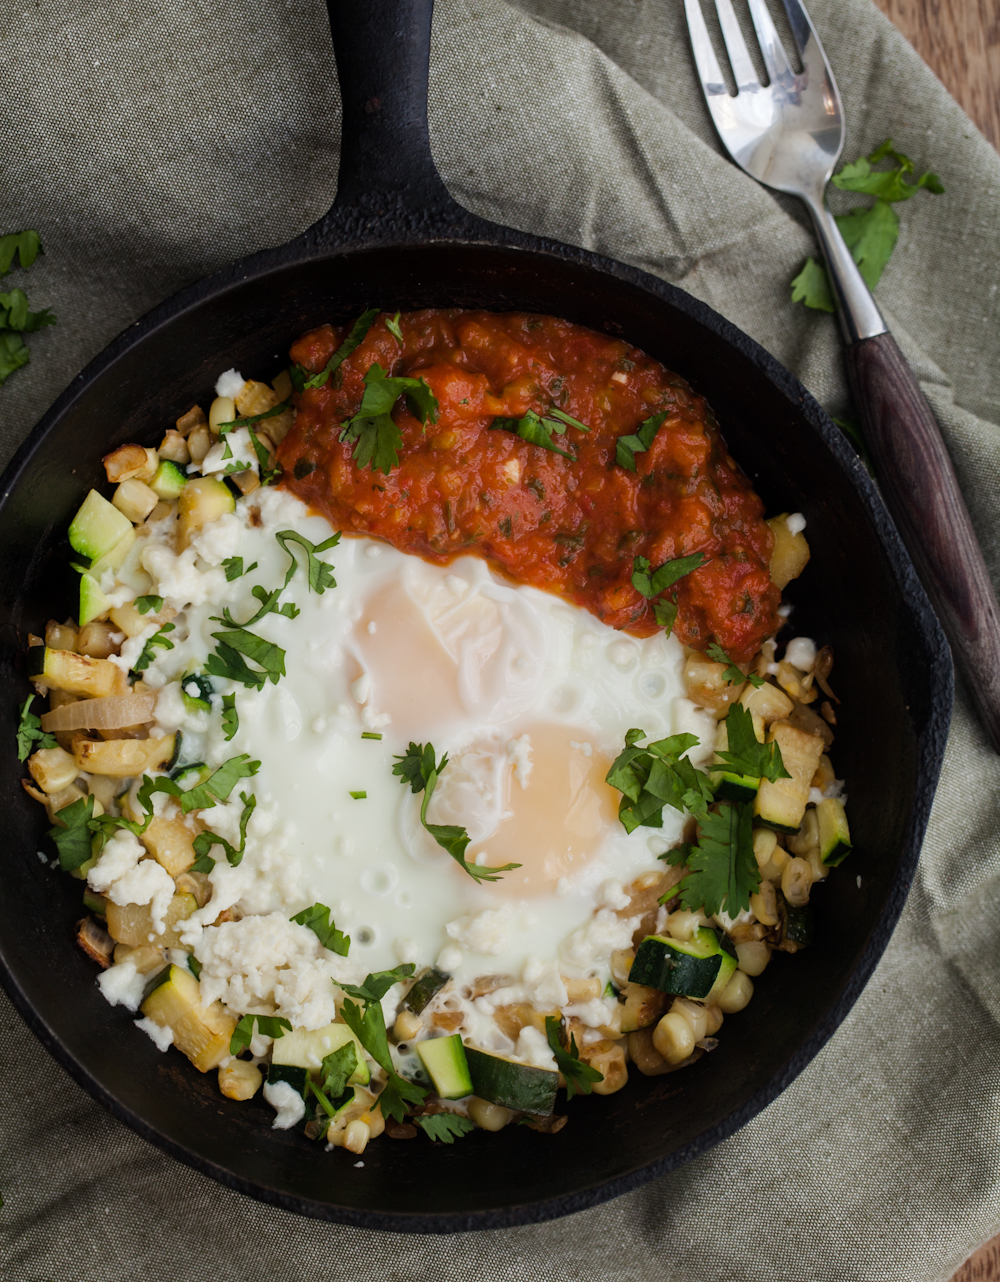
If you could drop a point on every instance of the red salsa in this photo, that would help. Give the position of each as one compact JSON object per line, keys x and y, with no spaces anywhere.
{"x":570,"y":526}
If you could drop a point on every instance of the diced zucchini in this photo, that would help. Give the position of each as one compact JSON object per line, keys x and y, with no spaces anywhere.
{"x":643,"y":1007}
{"x":202,"y":500}
{"x":188,"y":777}
{"x":75,"y":673}
{"x":122,"y":758}
{"x":173,"y":1000}
{"x":505,"y":1082}
{"x":729,"y":964}
{"x":730,"y":786}
{"x":97,"y":527}
{"x":308,"y":1048}
{"x":168,"y":481}
{"x":133,"y":923}
{"x":781,"y":805}
{"x":196,"y":690}
{"x":93,"y":902}
{"x":791,"y":551}
{"x":293,"y":1074}
{"x":114,"y":559}
{"x":425,"y":990}
{"x":171,"y":843}
{"x":684,"y":968}
{"x":796,"y":923}
{"x":93,"y":603}
{"x":445,"y":1060}
{"x":834,"y":835}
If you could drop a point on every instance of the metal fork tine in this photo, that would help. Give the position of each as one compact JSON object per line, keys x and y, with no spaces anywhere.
{"x":739,"y":56}
{"x":802,"y":28}
{"x":704,"y":55}
{"x":771,"y":48}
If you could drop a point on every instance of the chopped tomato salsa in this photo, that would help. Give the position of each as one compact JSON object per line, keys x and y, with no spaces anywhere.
{"x":466,"y":483}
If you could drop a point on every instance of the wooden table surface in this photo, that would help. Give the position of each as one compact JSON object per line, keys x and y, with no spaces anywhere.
{"x":960,"y":41}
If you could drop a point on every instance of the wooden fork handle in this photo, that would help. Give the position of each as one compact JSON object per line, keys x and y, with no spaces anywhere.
{"x":921,"y":491}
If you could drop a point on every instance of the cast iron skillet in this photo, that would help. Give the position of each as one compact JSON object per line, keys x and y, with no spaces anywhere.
{"x":395,"y":238}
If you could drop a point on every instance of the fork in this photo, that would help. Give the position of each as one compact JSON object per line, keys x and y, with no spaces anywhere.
{"x":789,"y":135}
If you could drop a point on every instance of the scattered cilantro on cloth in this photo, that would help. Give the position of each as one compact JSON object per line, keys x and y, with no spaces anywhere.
{"x":15,"y":318}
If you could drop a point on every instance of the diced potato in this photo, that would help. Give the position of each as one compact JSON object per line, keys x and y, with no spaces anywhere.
{"x":174,"y":448}
{"x":133,"y":923}
{"x":195,"y":417}
{"x":791,"y":552}
{"x":127,"y":618}
{"x":171,"y":843}
{"x":202,"y":500}
{"x":134,"y":499}
{"x":705,"y":684}
{"x":255,"y":398}
{"x":246,"y":482}
{"x":240,"y":1079}
{"x":202,"y":1033}
{"x":122,"y":757}
{"x":282,"y":385}
{"x":146,"y":958}
{"x":75,"y":673}
{"x":782,"y":804}
{"x":52,"y":769}
{"x":130,"y":461}
{"x":643,"y":1007}
{"x":767,"y":701}
{"x":96,"y":640}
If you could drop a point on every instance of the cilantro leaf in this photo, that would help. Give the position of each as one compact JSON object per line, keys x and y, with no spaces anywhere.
{"x":238,"y":642}
{"x":446,"y":1127}
{"x":14,"y":354}
{"x":73,"y":842}
{"x":812,"y":287}
{"x":369,"y":1029}
{"x":650,"y":585}
{"x":26,"y":245}
{"x":665,"y":614}
{"x":398,"y":1095}
{"x":337,"y":1069}
{"x":732,"y":675}
{"x":269,"y":1025}
{"x":14,"y":313}
{"x":358,"y":331}
{"x":234,"y":568}
{"x":218,"y":785}
{"x":319,"y":921}
{"x":268,"y":474}
{"x":580,"y":1077}
{"x":891,"y":185}
{"x":318,"y":573}
{"x":30,"y":734}
{"x":536,"y":431}
{"x":146,"y":603}
{"x":268,"y":605}
{"x":376,"y":437}
{"x":376,"y":985}
{"x":627,"y":447}
{"x":722,"y":868}
{"x":158,"y":639}
{"x":393,"y":327}
{"x":204,"y":842}
{"x":659,"y":774}
{"x":230,"y":717}
{"x":417,"y":768}
{"x":568,"y":419}
{"x":746,"y":755}
{"x":871,"y":236}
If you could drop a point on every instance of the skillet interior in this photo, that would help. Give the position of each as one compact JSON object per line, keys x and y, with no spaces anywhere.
{"x":893,"y":673}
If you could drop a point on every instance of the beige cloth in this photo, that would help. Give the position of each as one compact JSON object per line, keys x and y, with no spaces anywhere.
{"x":151,"y":143}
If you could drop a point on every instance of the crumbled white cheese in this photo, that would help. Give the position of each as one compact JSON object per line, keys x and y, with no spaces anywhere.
{"x":543,"y":985}
{"x":407,"y":950}
{"x":287,"y":1103}
{"x":361,"y":689}
{"x":120,"y":855}
{"x":229,"y":384}
{"x":519,"y":755}
{"x":449,"y":959}
{"x":586,"y":748}
{"x":485,"y":933}
{"x":178,"y":579}
{"x":234,"y":449}
{"x":122,"y":985}
{"x":612,"y":895}
{"x":598,"y":939}
{"x":800,"y":652}
{"x":163,"y":1037}
{"x":595,"y":1013}
{"x":796,"y":523}
{"x":219,"y":539}
{"x":277,"y":508}
{"x":126,"y":877}
{"x":533,"y":1048}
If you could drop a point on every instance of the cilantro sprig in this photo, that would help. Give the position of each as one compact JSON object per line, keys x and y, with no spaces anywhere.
{"x":375,"y":436}
{"x":658,"y":775}
{"x":418,"y":768}
{"x":146,"y":603}
{"x":746,"y":755}
{"x":269,"y":1025}
{"x":317,"y":917}
{"x":870,"y":232}
{"x":580,"y":1077}
{"x":160,"y":640}
{"x":652,"y":584}
{"x":227,"y":660}
{"x":230,"y":717}
{"x":204,"y":842}
{"x":15,"y":318}
{"x":638,"y":442}
{"x":318,"y":573}
{"x":30,"y":735}
{"x":732,"y":675}
{"x":538,"y":430}
{"x":722,"y":868}
{"x":446,"y":1127}
{"x":367,"y":1023}
{"x":302,"y":379}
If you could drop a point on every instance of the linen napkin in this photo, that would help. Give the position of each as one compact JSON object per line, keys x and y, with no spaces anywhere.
{"x":151,"y":143}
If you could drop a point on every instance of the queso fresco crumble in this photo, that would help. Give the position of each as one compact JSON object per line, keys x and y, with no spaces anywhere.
{"x":419,"y":747}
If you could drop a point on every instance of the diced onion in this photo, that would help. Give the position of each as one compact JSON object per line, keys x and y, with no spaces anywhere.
{"x":113,"y":712}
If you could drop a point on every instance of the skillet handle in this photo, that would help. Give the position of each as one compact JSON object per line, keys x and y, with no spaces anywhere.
{"x":383,"y":50}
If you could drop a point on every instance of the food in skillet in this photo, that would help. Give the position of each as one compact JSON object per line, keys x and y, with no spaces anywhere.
{"x":504,"y":793}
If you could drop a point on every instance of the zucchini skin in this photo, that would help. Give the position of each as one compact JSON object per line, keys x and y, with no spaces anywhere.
{"x":668,"y":965}
{"x":290,"y":1073}
{"x":425,"y":990}
{"x":518,"y":1086}
{"x":797,"y":924}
